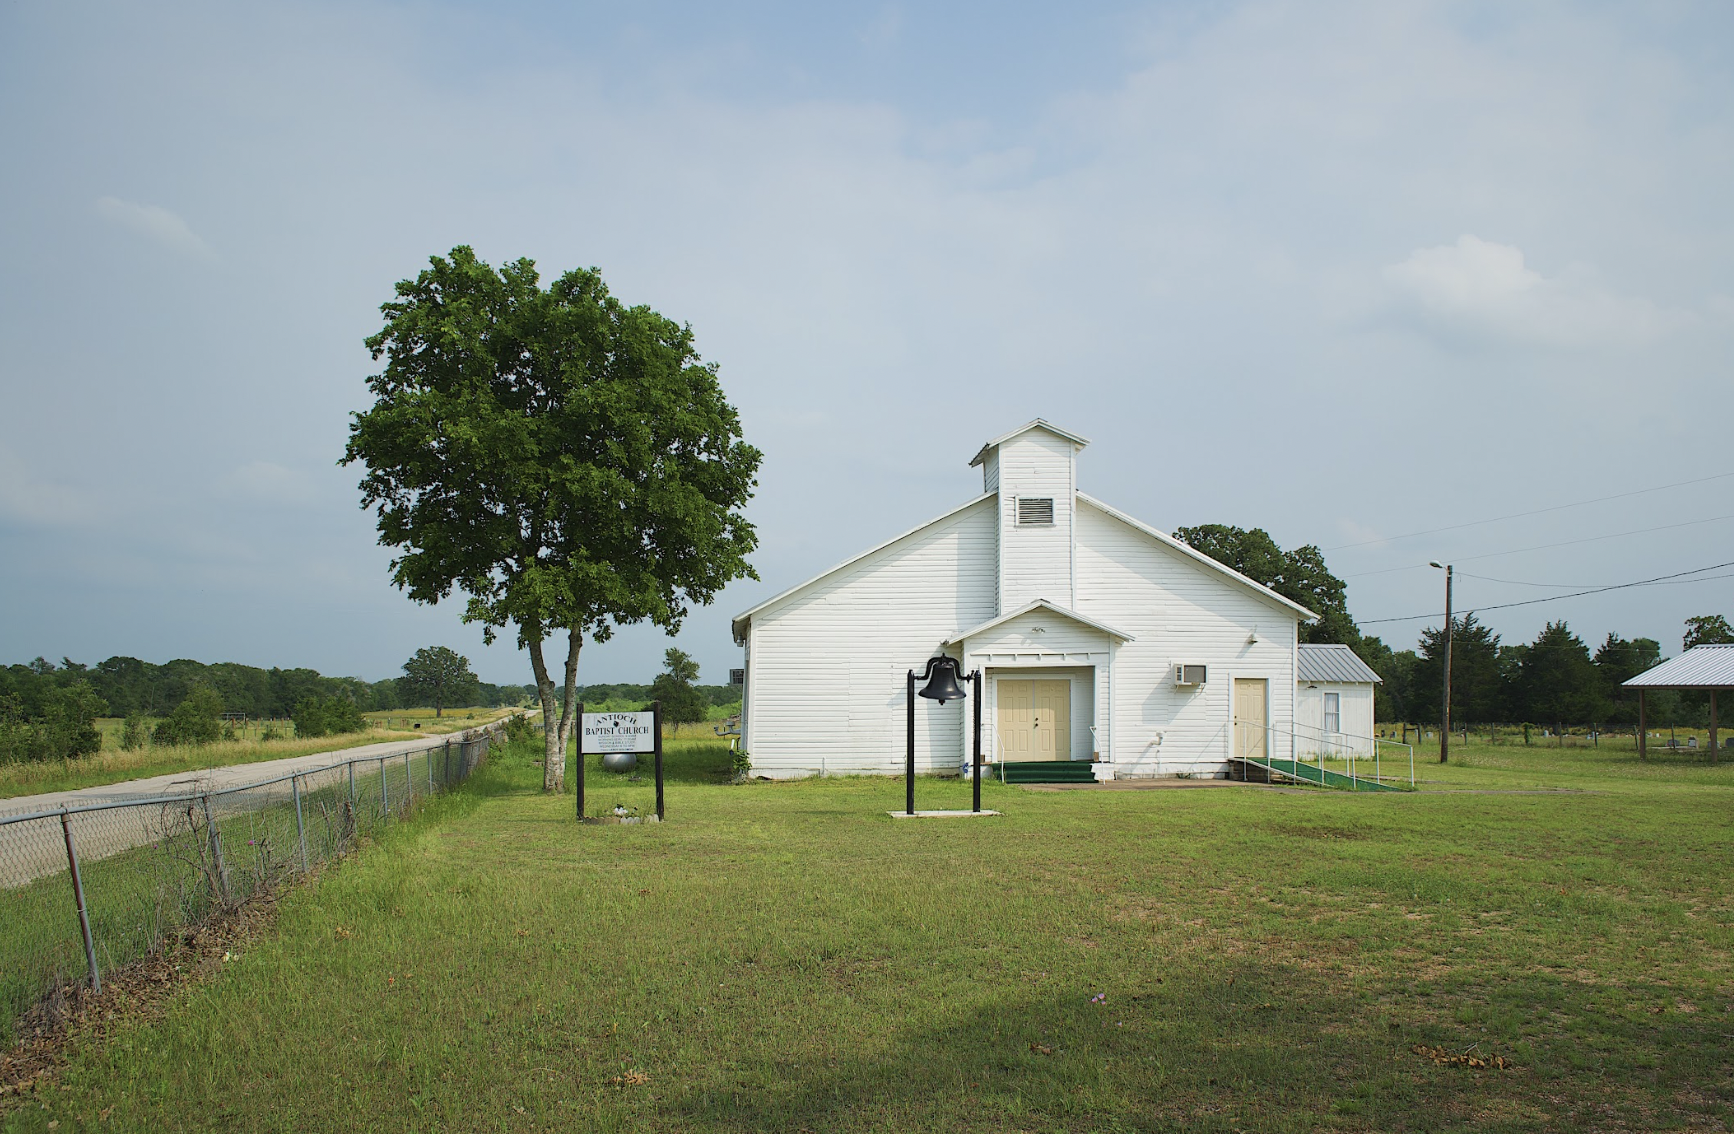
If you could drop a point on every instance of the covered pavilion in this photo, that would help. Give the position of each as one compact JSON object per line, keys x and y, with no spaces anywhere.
{"x":1701,"y":667}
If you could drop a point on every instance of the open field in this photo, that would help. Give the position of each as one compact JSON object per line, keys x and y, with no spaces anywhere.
{"x":112,"y":765}
{"x":784,"y":956}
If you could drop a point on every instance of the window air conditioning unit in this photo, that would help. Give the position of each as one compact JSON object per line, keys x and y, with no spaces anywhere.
{"x":1189,"y":674}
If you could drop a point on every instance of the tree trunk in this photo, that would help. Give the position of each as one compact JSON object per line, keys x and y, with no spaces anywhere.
{"x":553,"y":751}
{"x":574,"y":643}
{"x":556,"y":729}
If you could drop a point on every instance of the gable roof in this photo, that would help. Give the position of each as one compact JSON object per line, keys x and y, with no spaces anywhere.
{"x":1038,"y":423}
{"x":1038,"y":604}
{"x":1701,"y":667}
{"x":738,"y":624}
{"x":1332,"y":663}
{"x":1202,"y":559}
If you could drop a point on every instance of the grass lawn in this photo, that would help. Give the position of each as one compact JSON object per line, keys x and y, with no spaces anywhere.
{"x":786,"y":957}
{"x":113,"y":765}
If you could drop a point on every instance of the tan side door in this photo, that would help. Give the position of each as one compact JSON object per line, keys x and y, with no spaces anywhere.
{"x":1051,"y":713}
{"x":1251,"y":703}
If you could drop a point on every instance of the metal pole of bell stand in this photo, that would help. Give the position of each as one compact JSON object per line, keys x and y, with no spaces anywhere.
{"x":975,"y":679}
{"x":656,"y":726}
{"x":300,"y":826}
{"x":909,"y":757}
{"x":577,"y":759}
{"x":78,"y":896}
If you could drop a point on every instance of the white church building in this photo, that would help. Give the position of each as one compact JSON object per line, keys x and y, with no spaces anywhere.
{"x":1099,"y":639}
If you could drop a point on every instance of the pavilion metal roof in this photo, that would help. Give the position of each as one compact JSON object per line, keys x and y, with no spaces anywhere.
{"x":1332,"y":663}
{"x":1701,"y":667}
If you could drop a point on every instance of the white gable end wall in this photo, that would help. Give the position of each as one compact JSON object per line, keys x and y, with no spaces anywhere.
{"x":1179,"y":611}
{"x":826,"y":683}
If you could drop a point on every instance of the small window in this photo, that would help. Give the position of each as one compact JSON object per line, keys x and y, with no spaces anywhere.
{"x":1333,"y":713}
{"x":1034,"y":510}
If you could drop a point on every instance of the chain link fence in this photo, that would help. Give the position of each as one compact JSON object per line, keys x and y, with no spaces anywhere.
{"x":86,"y":889}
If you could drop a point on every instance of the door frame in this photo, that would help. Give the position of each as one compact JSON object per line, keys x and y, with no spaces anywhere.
{"x":1269,"y":710}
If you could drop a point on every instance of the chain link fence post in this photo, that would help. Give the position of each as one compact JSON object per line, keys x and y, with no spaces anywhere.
{"x":384,"y":792}
{"x":300,"y":824}
{"x":220,"y":872}
{"x":78,"y":897}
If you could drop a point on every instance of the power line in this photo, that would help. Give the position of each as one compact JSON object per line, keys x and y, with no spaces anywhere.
{"x":1521,"y":583}
{"x":1555,"y":598}
{"x":1536,"y":512}
{"x":1546,"y":546}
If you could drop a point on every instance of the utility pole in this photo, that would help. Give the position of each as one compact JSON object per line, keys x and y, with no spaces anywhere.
{"x":1445,"y":718}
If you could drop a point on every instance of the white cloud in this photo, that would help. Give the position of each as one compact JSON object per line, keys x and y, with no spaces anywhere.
{"x":1480,"y":289}
{"x":153,"y":222}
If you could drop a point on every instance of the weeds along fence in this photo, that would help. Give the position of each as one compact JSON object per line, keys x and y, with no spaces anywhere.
{"x":87,"y":889}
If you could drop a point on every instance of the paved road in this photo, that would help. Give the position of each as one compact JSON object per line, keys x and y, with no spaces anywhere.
{"x":215,"y":779}
{"x":33,"y":847}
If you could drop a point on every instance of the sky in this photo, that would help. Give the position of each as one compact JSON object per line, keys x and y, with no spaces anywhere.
{"x":1344,"y":271}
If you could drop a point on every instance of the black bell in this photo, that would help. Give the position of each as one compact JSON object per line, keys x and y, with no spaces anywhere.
{"x":943,"y":687}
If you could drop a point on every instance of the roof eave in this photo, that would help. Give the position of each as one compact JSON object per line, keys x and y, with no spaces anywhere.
{"x":962,"y":636}
{"x":1037,"y":423}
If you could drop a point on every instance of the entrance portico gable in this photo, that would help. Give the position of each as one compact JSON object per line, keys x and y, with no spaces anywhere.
{"x":1036,"y":646}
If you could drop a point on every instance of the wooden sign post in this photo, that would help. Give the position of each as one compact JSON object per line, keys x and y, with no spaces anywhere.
{"x":601,"y":733}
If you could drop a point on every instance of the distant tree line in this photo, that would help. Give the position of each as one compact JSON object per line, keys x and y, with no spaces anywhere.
{"x":48,"y":711}
{"x":128,"y":685}
{"x":1554,"y":681}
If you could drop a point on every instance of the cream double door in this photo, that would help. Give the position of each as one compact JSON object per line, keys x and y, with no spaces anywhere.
{"x":1035,"y":719}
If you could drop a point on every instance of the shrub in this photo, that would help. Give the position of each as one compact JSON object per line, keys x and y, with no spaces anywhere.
{"x":327,"y":716}
{"x":193,"y":721}
{"x":518,"y":728}
{"x":135,"y":733}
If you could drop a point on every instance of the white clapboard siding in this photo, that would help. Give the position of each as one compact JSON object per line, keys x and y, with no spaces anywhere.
{"x":1036,"y":561}
{"x":828,"y":660}
{"x":1178,"y":611}
{"x":1355,"y":719}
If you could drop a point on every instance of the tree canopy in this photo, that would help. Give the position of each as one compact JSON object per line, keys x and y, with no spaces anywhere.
{"x":1299,"y":575}
{"x":680,"y":699}
{"x":437,"y":676}
{"x":568,"y":462}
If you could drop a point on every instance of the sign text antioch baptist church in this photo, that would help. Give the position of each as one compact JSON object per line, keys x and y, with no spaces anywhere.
{"x":618,"y":732}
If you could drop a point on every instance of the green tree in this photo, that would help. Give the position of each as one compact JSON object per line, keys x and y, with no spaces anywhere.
{"x":1299,"y":576}
{"x":1618,"y":661}
{"x":1477,"y":691}
{"x":681,"y":701}
{"x":1708,"y":630}
{"x":566,"y":461}
{"x":439,"y":677}
{"x":1561,"y":685}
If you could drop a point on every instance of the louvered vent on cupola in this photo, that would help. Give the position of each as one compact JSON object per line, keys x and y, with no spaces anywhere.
{"x":1035,"y":511}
